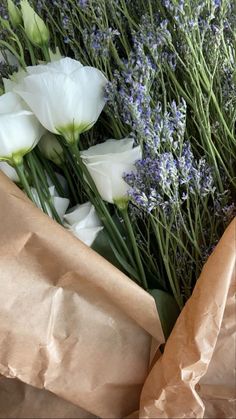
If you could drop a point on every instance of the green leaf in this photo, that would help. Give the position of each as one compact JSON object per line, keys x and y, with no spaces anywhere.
{"x":167,"y":308}
{"x":104,"y":246}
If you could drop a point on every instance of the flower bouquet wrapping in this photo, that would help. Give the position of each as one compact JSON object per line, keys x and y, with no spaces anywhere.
{"x":117,"y":274}
{"x":74,"y":325}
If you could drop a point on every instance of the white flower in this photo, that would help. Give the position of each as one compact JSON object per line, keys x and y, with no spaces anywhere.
{"x":66,"y":97}
{"x":60,"y":204}
{"x":20,"y":131}
{"x":9,"y":171}
{"x":108,"y":162}
{"x":51,"y":148}
{"x":84,"y":223}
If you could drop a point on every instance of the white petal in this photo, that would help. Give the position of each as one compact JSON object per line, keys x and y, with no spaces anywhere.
{"x":65,"y":103}
{"x":15,"y":79}
{"x":52,"y":190}
{"x":78,"y":213}
{"x":64,"y":66}
{"x":52,"y":98}
{"x":83,"y":215}
{"x":108,"y":175}
{"x":11,"y":102}
{"x":87,"y":235}
{"x":61,"y":205}
{"x":9,"y":171}
{"x":19,"y":132}
{"x":102,"y":181}
{"x":108,"y":147}
{"x":9,"y":85}
{"x":90,"y":87}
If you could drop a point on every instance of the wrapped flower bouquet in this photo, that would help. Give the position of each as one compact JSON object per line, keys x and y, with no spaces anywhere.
{"x":117,"y":196}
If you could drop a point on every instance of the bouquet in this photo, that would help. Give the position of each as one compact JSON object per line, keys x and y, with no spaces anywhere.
{"x":117,"y":120}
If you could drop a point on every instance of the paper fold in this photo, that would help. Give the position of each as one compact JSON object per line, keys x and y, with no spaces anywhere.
{"x":74,"y":325}
{"x":201,"y":348}
{"x":69,"y":321}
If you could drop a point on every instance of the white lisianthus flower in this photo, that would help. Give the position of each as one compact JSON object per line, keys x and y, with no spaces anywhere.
{"x":20,"y":131}
{"x":60,"y":204}
{"x":108,"y":162}
{"x":84,"y":223}
{"x":9,"y":171}
{"x":66,"y":97}
{"x":51,"y":148}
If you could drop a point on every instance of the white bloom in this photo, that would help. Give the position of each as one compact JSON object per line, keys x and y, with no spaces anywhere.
{"x":20,"y":131}
{"x":108,"y":162}
{"x":84,"y":223}
{"x":60,"y":204}
{"x":51,"y":148}
{"x":66,"y":97}
{"x":9,"y":171}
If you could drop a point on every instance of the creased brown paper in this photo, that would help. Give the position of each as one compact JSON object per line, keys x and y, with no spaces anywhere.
{"x":72,"y":324}
{"x":19,"y":400}
{"x":199,"y":356}
{"x":69,"y":321}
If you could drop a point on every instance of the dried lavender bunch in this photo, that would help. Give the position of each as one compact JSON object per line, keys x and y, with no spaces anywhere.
{"x":203,"y":41}
{"x":178,"y":209}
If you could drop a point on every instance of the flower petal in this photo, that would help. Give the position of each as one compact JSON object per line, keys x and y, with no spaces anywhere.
{"x":108,"y":147}
{"x":64,"y":66}
{"x":51,"y":98}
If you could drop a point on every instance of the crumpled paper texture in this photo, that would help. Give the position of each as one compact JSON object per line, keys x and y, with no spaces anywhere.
{"x":79,"y":336}
{"x":70,"y":322}
{"x":19,"y":400}
{"x":195,"y":377}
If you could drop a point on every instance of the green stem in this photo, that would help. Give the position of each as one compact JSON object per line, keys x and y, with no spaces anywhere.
{"x":130,"y":231}
{"x":51,"y":174}
{"x":44,"y":197}
{"x":174,"y":286}
{"x":70,"y":182}
{"x":23,"y":179}
{"x":37,"y":184}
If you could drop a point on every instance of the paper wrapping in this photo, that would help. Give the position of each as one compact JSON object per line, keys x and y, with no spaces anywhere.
{"x":79,"y":336}
{"x":70,"y":322}
{"x":195,"y":377}
{"x":19,"y":400}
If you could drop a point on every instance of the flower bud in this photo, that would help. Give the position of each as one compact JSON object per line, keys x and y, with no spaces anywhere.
{"x":51,"y":148}
{"x":14,"y":14}
{"x":35,"y":28}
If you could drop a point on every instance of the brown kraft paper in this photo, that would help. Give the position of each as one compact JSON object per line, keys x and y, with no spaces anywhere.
{"x":73,"y":324}
{"x":70,"y":322}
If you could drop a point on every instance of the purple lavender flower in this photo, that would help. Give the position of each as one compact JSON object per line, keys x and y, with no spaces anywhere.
{"x":98,"y":41}
{"x":82,"y":3}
